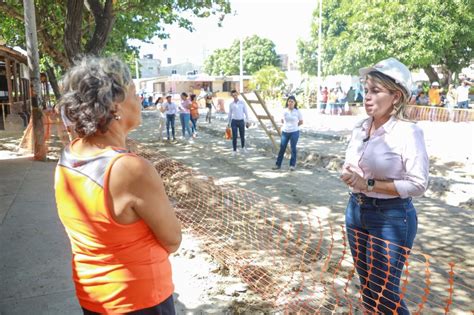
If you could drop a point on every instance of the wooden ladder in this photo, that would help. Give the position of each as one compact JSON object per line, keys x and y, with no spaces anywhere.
{"x":258,"y":101}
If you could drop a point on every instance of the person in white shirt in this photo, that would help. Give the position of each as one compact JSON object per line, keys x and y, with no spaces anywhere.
{"x":161,"y":117}
{"x":386,"y":165}
{"x":290,"y":132}
{"x":237,"y":120}
{"x":170,"y":112}
{"x":462,"y":92}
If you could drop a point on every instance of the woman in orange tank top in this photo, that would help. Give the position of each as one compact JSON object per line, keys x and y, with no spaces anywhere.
{"x":112,"y":203}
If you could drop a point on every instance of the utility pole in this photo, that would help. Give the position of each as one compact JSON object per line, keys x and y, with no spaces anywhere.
{"x":39,"y":146}
{"x":320,"y":35}
{"x":241,"y":83}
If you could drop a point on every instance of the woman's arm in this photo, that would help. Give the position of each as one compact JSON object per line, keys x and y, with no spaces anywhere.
{"x":136,"y":190}
{"x":352,"y":179}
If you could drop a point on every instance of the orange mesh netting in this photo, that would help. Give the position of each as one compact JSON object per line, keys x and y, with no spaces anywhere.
{"x":434,"y":113}
{"x":297,"y":262}
{"x":54,"y":130}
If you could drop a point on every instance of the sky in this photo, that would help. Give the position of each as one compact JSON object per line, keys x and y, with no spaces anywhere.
{"x":282,"y":21}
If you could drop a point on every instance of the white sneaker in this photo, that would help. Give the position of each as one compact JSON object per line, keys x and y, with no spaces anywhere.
{"x":234,"y":153}
{"x":292,"y":168}
{"x":244,"y":149}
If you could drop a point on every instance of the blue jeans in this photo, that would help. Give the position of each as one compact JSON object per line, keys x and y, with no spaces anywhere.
{"x":286,"y":137}
{"x":193,"y":126}
{"x":463,"y":104}
{"x":240,"y":125}
{"x":170,"y":123}
{"x":184,"y":118}
{"x":370,"y":223}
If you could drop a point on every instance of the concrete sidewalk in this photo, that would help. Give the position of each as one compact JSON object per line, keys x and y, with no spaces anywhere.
{"x":35,"y":260}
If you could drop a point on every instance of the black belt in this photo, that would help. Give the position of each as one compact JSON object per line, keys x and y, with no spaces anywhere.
{"x":362,"y":199}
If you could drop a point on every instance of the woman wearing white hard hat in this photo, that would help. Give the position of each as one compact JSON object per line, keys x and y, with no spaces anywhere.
{"x":386,"y":165}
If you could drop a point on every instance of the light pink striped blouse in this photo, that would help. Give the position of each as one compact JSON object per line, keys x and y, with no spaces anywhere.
{"x":395,"y":151}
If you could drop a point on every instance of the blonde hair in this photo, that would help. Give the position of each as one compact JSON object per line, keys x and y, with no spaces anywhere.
{"x":393,"y":87}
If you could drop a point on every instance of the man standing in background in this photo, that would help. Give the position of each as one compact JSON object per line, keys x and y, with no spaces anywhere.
{"x":238,"y":120}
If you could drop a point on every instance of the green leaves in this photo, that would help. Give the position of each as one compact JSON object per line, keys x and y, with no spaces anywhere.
{"x":420,"y":33}
{"x":270,"y":81}
{"x":257,"y":53}
{"x":133,"y":19}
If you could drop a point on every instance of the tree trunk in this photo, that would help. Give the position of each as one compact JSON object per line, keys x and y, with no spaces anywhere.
{"x":104,"y":20}
{"x":73,"y":32}
{"x":447,"y":76}
{"x":53,"y":81}
{"x":431,"y":73}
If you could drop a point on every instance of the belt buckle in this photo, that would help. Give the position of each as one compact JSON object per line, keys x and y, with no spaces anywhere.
{"x":359,"y":199}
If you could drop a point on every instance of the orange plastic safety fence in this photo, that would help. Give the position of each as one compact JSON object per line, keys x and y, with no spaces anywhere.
{"x":434,"y":113}
{"x":301,"y":263}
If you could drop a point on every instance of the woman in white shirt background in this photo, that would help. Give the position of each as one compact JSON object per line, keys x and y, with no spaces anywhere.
{"x":290,"y":132}
{"x":161,"y":116}
{"x":386,"y":165}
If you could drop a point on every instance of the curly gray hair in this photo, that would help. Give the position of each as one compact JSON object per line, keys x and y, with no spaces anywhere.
{"x":90,"y":89}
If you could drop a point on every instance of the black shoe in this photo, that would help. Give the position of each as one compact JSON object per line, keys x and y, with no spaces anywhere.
{"x":276,"y":167}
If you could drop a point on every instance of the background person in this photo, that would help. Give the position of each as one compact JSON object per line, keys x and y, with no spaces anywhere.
{"x":112,"y":203}
{"x":434,"y":94}
{"x":194,"y":111}
{"x":170,"y":112}
{"x":185,"y":115}
{"x":290,"y":132}
{"x":237,"y":119}
{"x":324,"y":100}
{"x":386,"y":165}
{"x":422,"y":99}
{"x":161,"y":117}
{"x":209,"y":105}
{"x":463,"y":94}
{"x":451,"y":100}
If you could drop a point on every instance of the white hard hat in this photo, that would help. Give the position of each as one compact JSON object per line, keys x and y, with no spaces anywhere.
{"x":394,"y":69}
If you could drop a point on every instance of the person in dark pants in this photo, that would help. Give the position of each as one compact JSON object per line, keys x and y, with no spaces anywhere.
{"x":209,"y":105}
{"x":290,"y":132}
{"x":170,"y":112}
{"x":238,"y":120}
{"x":386,"y":165}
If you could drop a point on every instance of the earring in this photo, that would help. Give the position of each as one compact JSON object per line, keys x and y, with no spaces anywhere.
{"x":117,"y":117}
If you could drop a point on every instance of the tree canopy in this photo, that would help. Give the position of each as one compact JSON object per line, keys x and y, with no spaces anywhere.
{"x":69,"y":28}
{"x":257,"y":53}
{"x":420,"y":33}
{"x":270,"y":80}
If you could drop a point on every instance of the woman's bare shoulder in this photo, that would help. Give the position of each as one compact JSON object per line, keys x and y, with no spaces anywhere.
{"x":132,"y":168}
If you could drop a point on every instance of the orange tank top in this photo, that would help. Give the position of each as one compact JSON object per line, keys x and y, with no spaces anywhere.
{"x":117,"y":268}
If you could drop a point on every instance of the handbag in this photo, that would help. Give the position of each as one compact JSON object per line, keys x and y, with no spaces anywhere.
{"x":228,"y":133}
